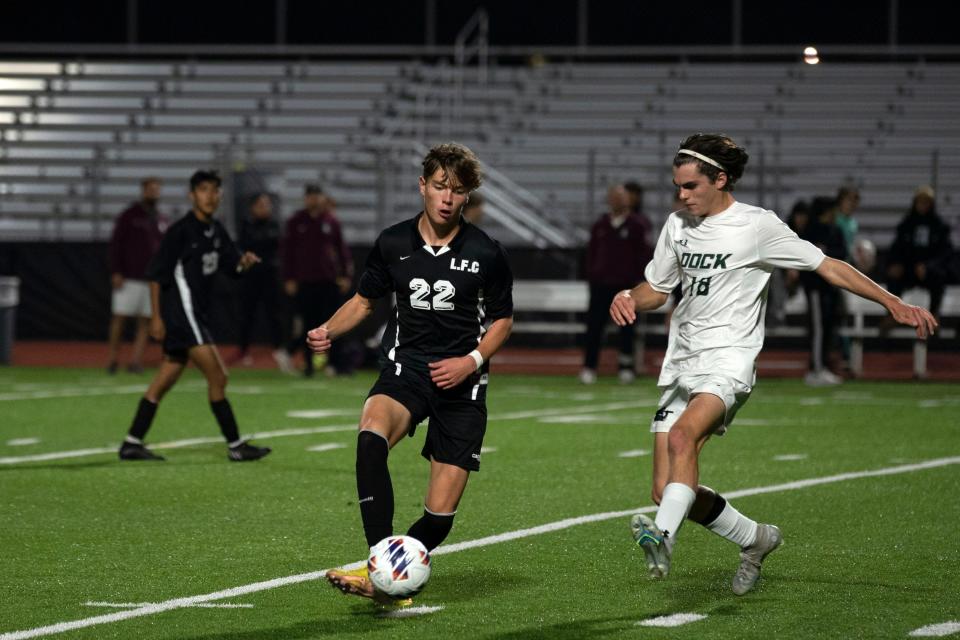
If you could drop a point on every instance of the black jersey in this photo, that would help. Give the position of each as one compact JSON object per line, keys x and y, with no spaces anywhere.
{"x":190,"y":254}
{"x":443,"y":295}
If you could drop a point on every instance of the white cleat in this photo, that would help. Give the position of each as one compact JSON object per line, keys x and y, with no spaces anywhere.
{"x":768,"y":539}
{"x":282,"y":358}
{"x":648,"y":537}
{"x":822,"y":378}
{"x":588,"y":376}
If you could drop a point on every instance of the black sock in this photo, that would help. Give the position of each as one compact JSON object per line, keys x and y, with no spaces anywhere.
{"x":719,"y":502}
{"x":228,"y":424}
{"x":374,"y":488}
{"x":431,"y":529}
{"x":143,"y":419}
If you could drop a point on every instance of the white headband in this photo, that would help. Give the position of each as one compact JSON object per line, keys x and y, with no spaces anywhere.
{"x":700,"y":156}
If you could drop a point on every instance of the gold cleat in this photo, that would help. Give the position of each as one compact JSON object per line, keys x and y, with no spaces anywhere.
{"x":356,"y":582}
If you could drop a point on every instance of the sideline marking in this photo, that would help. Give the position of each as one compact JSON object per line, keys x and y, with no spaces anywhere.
{"x":633,"y":453}
{"x":179,"y":603}
{"x":487,"y":449}
{"x":134,"y":605}
{"x":936,"y":630}
{"x":786,"y":457}
{"x":673,"y":620}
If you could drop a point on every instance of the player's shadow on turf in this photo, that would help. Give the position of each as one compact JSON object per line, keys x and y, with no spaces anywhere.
{"x":474,"y":584}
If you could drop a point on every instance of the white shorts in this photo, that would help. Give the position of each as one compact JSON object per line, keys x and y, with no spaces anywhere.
{"x":132,"y":299}
{"x":676,"y":396}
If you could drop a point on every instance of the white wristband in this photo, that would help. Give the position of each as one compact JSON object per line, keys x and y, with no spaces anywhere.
{"x":476,"y":358}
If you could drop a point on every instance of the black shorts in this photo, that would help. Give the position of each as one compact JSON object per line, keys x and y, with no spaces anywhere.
{"x":182,"y":334}
{"x":458,"y":416}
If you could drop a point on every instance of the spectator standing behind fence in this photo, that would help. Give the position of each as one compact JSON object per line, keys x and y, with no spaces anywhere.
{"x":848,"y":199}
{"x":823,"y":300}
{"x":317,"y":270}
{"x":136,"y":238}
{"x":259,"y":289}
{"x":619,"y":250}
{"x":921,"y":250}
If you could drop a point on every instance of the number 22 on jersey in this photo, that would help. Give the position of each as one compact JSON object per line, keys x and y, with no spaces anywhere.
{"x":441,"y":301}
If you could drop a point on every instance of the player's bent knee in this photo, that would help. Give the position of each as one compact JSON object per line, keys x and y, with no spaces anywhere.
{"x":680,"y":442}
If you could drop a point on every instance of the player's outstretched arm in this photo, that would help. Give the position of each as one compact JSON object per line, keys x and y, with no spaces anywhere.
{"x":840,"y":274}
{"x":348,"y":316}
{"x":642,"y":297}
{"x":450,"y":372}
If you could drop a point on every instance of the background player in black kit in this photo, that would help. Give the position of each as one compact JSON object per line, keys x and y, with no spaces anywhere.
{"x":180,"y":275}
{"x":449,"y":278}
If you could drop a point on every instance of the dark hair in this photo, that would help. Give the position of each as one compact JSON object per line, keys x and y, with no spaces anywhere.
{"x":635,"y":188}
{"x":256,"y":196}
{"x":719,"y":148}
{"x":149,"y":180}
{"x":204,"y":175}
{"x":311,"y":188}
{"x":821,"y":205}
{"x":847,"y":190}
{"x":455,"y":159}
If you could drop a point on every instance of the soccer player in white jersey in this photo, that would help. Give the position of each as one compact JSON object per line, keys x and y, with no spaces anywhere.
{"x":722,"y":252}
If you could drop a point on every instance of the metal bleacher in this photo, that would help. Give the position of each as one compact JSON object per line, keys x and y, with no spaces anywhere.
{"x":76,"y":138}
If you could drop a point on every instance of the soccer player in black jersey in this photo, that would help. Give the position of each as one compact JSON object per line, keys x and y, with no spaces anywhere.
{"x":192,"y":251}
{"x":449,"y":278}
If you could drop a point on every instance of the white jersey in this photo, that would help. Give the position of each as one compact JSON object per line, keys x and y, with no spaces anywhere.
{"x":724,"y":262}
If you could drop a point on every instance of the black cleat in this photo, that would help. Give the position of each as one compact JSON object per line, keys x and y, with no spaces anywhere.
{"x":131,"y":451}
{"x":246,"y":451}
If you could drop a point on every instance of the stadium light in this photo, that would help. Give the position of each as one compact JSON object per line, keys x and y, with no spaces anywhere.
{"x":811,"y":55}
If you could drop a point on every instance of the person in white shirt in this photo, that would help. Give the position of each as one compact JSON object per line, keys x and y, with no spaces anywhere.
{"x":722,"y":252}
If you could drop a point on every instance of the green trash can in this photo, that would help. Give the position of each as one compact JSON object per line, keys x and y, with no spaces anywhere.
{"x":9,"y":298}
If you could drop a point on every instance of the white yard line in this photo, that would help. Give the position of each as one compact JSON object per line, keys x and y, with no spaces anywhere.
{"x":634,"y":453}
{"x":936,"y":630}
{"x":189,"y":601}
{"x":73,"y":392}
{"x":327,"y":447}
{"x":320,"y":413}
{"x":301,"y":431}
{"x":175,"y":444}
{"x":789,"y":457}
{"x":409,"y":612}
{"x":136,"y":605}
{"x":22,"y":442}
{"x":672,"y":620}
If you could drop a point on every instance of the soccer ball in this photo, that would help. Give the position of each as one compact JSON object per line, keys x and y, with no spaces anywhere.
{"x":399,"y":566}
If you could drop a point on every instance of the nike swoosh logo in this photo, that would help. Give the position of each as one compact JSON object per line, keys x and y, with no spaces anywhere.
{"x":404,"y":257}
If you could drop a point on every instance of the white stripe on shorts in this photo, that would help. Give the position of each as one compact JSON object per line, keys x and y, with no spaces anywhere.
{"x":186,"y":300}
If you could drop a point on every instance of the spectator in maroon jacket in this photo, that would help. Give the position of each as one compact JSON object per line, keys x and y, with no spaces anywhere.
{"x":619,"y":250}
{"x":136,"y":238}
{"x":317,"y":269}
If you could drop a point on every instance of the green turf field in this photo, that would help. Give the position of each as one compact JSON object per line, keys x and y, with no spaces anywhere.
{"x":866,"y":557}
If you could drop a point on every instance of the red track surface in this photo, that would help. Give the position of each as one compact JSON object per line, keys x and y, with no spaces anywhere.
{"x":942,"y":366}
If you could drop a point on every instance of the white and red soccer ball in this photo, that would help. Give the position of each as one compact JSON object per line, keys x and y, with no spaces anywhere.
{"x":399,"y":566}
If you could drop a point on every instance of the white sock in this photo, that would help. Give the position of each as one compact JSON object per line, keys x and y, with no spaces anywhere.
{"x":674,"y":506}
{"x":734,"y":526}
